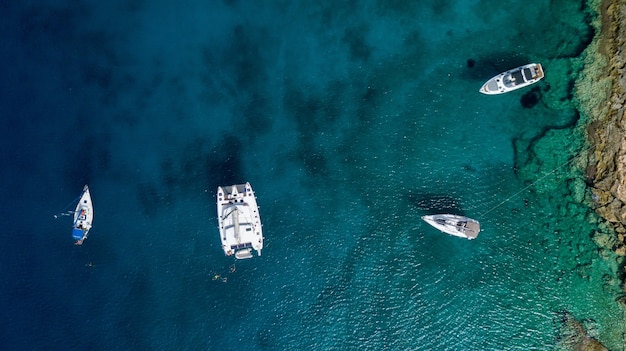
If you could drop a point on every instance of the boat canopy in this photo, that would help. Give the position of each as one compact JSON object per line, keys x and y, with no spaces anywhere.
{"x":77,"y":234}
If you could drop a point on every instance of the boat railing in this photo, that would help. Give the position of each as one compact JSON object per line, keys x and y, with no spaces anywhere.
{"x":241,"y":246}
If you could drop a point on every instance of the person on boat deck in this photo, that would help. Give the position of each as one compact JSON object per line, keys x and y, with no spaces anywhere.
{"x":80,"y":241}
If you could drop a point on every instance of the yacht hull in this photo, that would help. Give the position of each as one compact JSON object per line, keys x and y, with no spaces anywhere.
{"x":513,"y":79}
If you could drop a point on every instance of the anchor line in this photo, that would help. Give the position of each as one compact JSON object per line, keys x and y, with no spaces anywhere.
{"x":528,"y":186}
{"x":563,"y":47}
{"x":64,"y":211}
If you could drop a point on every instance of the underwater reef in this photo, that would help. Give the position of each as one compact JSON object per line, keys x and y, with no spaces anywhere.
{"x":601,"y":94}
{"x":597,"y":135}
{"x":574,"y":336}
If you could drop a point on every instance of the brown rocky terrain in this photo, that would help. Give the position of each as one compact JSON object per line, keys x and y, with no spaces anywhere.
{"x":573,"y":336}
{"x":601,"y":92}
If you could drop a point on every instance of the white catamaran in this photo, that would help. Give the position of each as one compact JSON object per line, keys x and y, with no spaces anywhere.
{"x":460,"y":226}
{"x":83,"y":217}
{"x":239,"y":221}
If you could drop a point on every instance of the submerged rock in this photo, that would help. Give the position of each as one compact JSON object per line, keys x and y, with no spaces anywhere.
{"x":531,"y":98}
{"x":574,"y":336}
{"x":601,"y":94}
{"x":604,"y":240}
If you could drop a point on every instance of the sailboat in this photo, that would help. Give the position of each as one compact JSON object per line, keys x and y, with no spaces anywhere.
{"x":239,"y":221}
{"x":83,"y":217}
{"x":463,"y":227}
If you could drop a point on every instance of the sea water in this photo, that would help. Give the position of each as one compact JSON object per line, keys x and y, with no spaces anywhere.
{"x":351,"y":120}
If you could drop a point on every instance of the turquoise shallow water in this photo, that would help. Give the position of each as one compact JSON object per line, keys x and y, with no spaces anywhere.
{"x":351,"y":121}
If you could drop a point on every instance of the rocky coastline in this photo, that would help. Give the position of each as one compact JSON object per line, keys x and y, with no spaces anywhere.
{"x":601,"y":95}
{"x":600,"y":98}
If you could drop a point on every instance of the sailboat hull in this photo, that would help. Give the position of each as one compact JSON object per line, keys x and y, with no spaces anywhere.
{"x":83,"y":217}
{"x":463,"y":227}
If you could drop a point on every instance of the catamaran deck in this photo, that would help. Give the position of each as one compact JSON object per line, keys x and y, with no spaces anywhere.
{"x":239,"y":220}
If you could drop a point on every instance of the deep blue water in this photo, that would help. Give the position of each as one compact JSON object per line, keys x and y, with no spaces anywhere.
{"x":350,"y":119}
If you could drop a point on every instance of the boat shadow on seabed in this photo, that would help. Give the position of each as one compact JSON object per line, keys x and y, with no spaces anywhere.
{"x":435,"y":203}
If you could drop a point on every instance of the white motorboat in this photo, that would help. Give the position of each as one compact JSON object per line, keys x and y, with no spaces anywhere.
{"x":513,"y":79}
{"x":83,"y":217}
{"x":239,"y":221}
{"x":460,"y":226}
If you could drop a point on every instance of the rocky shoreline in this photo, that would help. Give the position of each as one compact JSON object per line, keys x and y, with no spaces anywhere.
{"x":600,"y":96}
{"x":601,"y":92}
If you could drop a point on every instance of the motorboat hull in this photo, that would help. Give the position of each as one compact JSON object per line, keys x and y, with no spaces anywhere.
{"x":513,"y":79}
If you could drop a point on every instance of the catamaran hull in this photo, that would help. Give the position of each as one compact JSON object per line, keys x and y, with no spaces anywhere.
{"x":239,"y":221}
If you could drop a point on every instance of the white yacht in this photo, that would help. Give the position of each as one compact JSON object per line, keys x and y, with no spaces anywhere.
{"x":460,"y":226}
{"x":513,"y":79}
{"x":239,"y":221}
{"x":83,"y":217}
